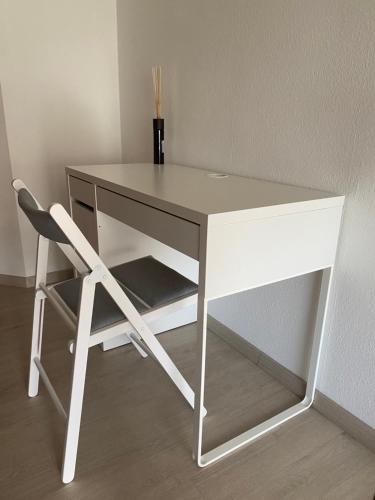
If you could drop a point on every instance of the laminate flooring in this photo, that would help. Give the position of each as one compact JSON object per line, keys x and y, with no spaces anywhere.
{"x":136,"y":432}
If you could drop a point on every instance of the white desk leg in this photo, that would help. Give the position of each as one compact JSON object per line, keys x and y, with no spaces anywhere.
{"x":320,"y":323}
{"x":266,"y":426}
{"x":199,"y":411}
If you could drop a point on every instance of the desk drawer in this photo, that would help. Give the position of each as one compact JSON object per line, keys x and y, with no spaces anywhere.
{"x":85,"y":218}
{"x":82,"y":191}
{"x":173,"y":231}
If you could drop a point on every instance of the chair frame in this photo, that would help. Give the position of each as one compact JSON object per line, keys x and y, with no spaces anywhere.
{"x":93,"y":271}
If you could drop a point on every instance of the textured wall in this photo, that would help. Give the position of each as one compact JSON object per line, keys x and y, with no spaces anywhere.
{"x":59,"y":78}
{"x":11,"y":255}
{"x":281,"y":90}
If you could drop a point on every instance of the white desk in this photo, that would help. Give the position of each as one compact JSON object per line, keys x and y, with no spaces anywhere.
{"x":245,"y":233}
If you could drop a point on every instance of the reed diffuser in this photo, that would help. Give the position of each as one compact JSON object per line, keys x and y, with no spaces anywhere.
{"x":158,"y":122}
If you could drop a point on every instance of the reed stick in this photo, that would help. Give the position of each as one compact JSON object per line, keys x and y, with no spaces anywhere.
{"x":156,"y":78}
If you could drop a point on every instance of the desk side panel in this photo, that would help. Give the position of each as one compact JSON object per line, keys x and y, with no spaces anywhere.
{"x":253,"y":253}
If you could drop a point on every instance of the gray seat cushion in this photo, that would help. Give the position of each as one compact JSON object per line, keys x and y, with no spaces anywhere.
{"x":105,"y":312}
{"x":153,"y":282}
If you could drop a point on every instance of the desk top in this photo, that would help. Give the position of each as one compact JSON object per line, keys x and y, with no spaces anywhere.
{"x":203,"y":192}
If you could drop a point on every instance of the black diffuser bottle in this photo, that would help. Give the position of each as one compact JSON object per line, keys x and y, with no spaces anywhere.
{"x":158,"y":141}
{"x":158,"y":122}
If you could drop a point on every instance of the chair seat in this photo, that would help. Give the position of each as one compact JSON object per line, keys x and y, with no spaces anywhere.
{"x":153,"y":282}
{"x":151,"y":285}
{"x":105,"y":312}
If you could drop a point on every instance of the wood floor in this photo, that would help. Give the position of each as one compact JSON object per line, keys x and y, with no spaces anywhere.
{"x":136,"y":430}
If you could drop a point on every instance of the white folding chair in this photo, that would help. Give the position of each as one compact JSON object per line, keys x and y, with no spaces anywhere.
{"x":98,"y":305}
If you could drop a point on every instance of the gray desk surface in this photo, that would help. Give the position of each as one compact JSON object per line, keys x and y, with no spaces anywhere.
{"x":197,"y":191}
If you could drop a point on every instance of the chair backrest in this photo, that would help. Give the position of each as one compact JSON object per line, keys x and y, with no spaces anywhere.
{"x":64,"y":232}
{"x":41,"y":220}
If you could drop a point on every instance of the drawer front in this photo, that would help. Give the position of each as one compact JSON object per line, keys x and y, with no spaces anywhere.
{"x":82,"y":191}
{"x":85,"y":218}
{"x":173,"y":231}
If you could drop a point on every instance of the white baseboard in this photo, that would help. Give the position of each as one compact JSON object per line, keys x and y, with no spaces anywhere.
{"x":29,"y":281}
{"x":352,"y":425}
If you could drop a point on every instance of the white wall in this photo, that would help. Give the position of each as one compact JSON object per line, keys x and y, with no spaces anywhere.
{"x":11,"y":256}
{"x":59,"y":78}
{"x":282,"y":91}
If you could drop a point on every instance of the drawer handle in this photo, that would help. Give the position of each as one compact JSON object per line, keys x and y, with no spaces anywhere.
{"x":84,"y":205}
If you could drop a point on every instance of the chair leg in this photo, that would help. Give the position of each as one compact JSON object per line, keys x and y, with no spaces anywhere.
{"x":38,"y":316}
{"x":36,"y":342}
{"x":137,"y":345}
{"x":78,"y":381}
{"x":74,"y":415}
